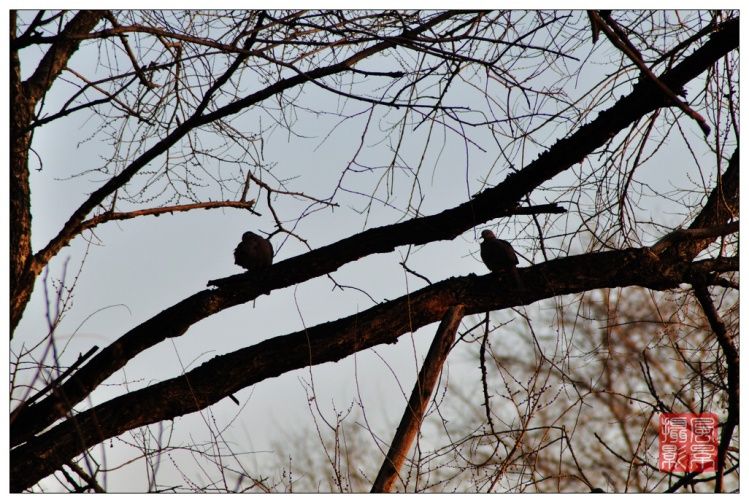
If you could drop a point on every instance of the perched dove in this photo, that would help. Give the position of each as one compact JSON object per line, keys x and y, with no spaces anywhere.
{"x":254,"y":252}
{"x":499,"y":256}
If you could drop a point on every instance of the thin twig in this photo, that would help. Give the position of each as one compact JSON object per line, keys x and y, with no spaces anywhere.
{"x":732,"y":364}
{"x":482,"y":364}
{"x":54,"y":383}
{"x":129,"y":51}
{"x":409,"y":270}
{"x":618,"y":38}
{"x":111,"y":215}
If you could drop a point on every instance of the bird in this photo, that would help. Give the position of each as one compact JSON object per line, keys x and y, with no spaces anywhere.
{"x":499,"y":256}
{"x":254,"y":253}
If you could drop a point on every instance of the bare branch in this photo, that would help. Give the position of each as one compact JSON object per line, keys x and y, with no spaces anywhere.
{"x":59,"y":53}
{"x":54,"y":383}
{"x":35,"y":265}
{"x":691,"y":234}
{"x":417,"y":405}
{"x":722,"y":205}
{"x":231,"y":100}
{"x":114,"y":215}
{"x":493,"y":202}
{"x":732,"y":364}
{"x":619,"y":40}
{"x":332,"y":341}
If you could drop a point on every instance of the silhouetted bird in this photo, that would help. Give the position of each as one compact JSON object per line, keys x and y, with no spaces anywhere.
{"x":499,"y":256}
{"x":254,"y":252}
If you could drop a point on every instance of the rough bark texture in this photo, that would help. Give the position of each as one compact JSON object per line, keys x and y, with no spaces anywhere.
{"x":54,"y":61}
{"x":332,"y":341}
{"x":417,"y":404}
{"x":448,"y":224}
{"x":20,"y":195}
{"x":40,"y":454}
{"x":24,"y":96}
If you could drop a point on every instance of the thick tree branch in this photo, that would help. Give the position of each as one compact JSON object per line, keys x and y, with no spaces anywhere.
{"x":722,"y":206}
{"x":332,"y":341}
{"x":56,"y":382}
{"x":57,"y":56}
{"x":24,"y":97}
{"x":617,"y":37}
{"x":678,"y":235}
{"x":710,"y":232}
{"x":417,"y":404}
{"x":500,"y":200}
{"x":38,"y":261}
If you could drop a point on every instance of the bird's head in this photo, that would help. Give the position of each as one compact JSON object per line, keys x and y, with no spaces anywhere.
{"x":487,"y":234}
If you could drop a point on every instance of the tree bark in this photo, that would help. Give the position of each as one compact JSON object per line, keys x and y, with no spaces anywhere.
{"x":25,"y":267}
{"x":29,"y":266}
{"x":417,"y":404}
{"x":24,"y":96}
{"x":448,"y":224}
{"x":20,"y":195}
{"x":383,"y":324}
{"x":45,"y":453}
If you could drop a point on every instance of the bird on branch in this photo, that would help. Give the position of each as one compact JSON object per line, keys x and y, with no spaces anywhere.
{"x":254,"y":253}
{"x":499,"y":256}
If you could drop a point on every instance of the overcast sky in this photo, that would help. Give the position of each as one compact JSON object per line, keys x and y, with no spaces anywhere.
{"x":137,"y":268}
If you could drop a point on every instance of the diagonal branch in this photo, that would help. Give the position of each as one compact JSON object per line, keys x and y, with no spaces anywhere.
{"x":57,"y":56}
{"x":196,"y":120}
{"x":679,"y":235}
{"x":38,"y":261}
{"x":491,"y":203}
{"x":721,"y":207}
{"x":417,"y":404}
{"x":332,"y":341}
{"x":25,"y":96}
{"x":617,"y":37}
{"x":129,"y":51}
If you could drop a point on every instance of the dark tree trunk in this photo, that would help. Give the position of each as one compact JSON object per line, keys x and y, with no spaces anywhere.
{"x":24,"y":96}
{"x":20,"y":195}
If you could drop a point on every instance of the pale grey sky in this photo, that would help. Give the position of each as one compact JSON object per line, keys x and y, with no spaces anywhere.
{"x":139,"y":267}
